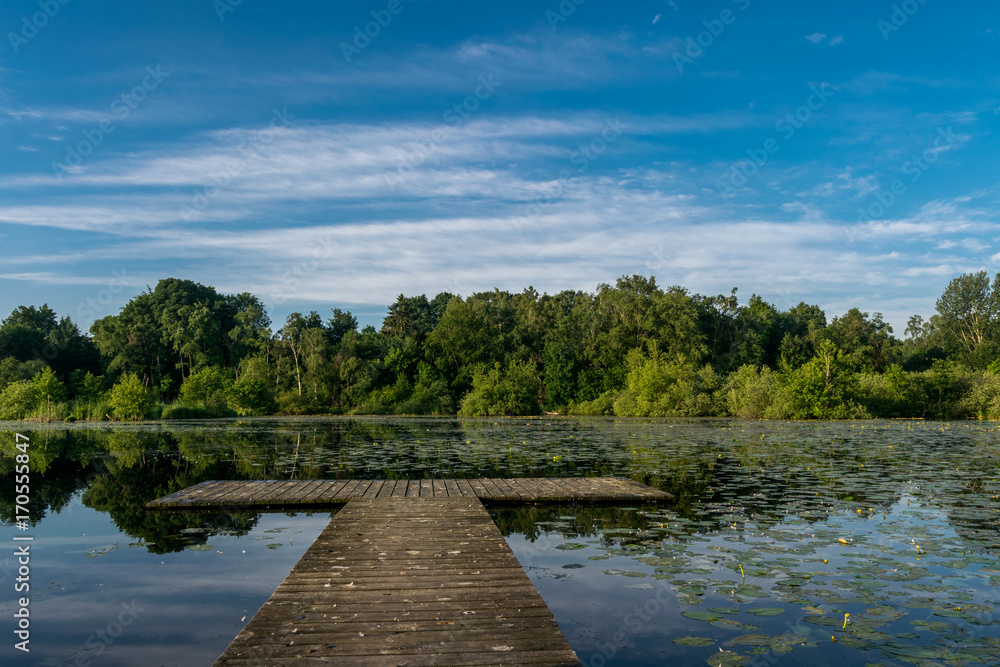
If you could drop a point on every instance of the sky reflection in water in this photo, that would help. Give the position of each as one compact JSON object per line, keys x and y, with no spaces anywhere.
{"x":914,"y":503}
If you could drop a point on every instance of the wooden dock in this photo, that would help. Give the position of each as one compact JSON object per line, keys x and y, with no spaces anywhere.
{"x":313,"y":494}
{"x":409,"y":572}
{"x":405,"y":581}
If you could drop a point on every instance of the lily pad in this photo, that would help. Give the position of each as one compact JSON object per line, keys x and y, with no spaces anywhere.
{"x":914,"y":651}
{"x":728,"y":611}
{"x":727,"y":659}
{"x":691,"y":640}
{"x":766,"y":611}
{"x":701,"y":616}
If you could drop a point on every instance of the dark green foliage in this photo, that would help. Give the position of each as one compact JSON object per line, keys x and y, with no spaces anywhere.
{"x":129,"y":399}
{"x":497,"y":390}
{"x":632,"y":349}
{"x":19,"y":400}
{"x":750,"y":392}
{"x":659,"y":386}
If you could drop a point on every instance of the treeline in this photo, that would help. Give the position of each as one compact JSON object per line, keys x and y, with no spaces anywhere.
{"x":183,"y":350}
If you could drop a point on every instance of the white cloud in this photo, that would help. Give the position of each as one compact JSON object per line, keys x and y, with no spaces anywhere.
{"x":311,"y":218}
{"x":816,"y":37}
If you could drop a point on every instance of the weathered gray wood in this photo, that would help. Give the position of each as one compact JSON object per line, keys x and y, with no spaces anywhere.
{"x":415,"y":581}
{"x":387,"y":487}
{"x":295,"y":493}
{"x":373,"y":490}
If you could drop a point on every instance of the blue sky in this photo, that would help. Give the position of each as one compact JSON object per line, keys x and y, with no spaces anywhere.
{"x":835,"y":153}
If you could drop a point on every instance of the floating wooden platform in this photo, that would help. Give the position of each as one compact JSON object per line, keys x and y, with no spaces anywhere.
{"x":409,"y":572}
{"x":424,"y":580}
{"x":313,"y":493}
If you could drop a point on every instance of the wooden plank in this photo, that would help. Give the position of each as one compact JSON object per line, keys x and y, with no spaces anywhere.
{"x":415,"y":581}
{"x":292,"y":493}
{"x":360,"y":489}
{"x":309,"y":494}
{"x":345,"y":492}
{"x":373,"y":490}
{"x":387,"y":487}
{"x":479,"y":488}
{"x":288,"y":491}
{"x":220,"y":493}
{"x":523,"y":487}
{"x":492,"y":492}
{"x":455,"y":488}
{"x":198,"y":491}
{"x":190,"y":494}
{"x":506,"y":493}
{"x":328,"y":489}
{"x":551,"y":491}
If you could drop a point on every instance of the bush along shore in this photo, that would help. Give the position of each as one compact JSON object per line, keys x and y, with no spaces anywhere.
{"x":183,"y":350}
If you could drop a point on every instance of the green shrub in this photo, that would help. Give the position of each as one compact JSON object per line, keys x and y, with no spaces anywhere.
{"x":290,"y":403}
{"x":750,"y":392}
{"x":87,"y":386}
{"x":600,"y":406}
{"x":129,"y":399}
{"x":253,"y":391}
{"x":659,"y":387}
{"x":433,"y":398}
{"x":180,"y":410}
{"x":206,"y":386}
{"x":825,"y":387}
{"x":982,"y":399}
{"x":12,"y":370}
{"x":503,"y":391}
{"x":894,"y":393}
{"x":50,"y":390}
{"x":19,"y":400}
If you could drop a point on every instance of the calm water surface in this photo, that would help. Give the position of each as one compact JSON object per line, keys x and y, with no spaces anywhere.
{"x":804,"y":543}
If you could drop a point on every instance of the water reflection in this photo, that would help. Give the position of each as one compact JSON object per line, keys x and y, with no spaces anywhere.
{"x":816,"y":520}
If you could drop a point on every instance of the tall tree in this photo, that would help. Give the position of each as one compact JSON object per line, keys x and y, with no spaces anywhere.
{"x":866,"y":341}
{"x":292,"y":334}
{"x":968,"y":311}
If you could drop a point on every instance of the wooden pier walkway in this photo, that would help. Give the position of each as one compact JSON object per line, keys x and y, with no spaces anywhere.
{"x":409,"y":572}
{"x":312,"y":493}
{"x":405,"y":581}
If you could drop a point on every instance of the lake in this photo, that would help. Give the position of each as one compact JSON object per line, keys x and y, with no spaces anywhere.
{"x":841,"y":543}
